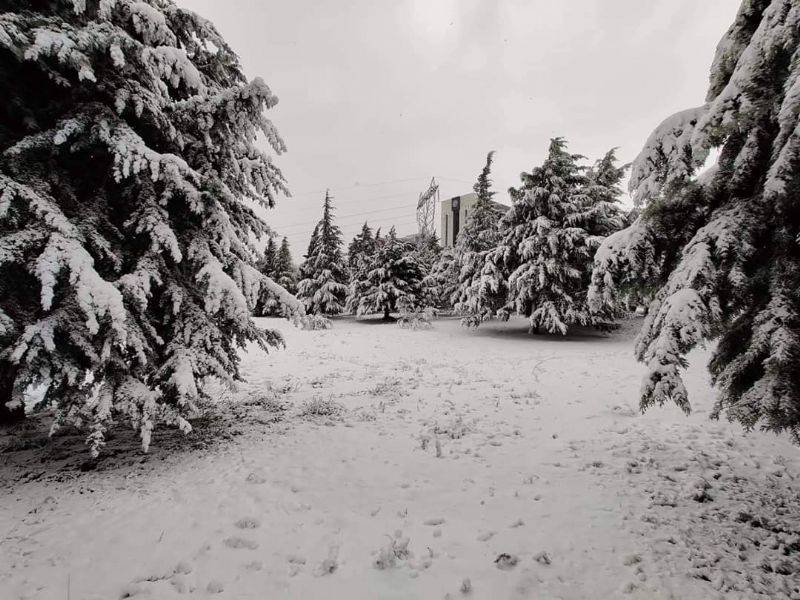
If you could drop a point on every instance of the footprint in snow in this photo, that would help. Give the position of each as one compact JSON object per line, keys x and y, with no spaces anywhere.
{"x":506,"y":562}
{"x":239,"y":543}
{"x":255,"y":478}
{"x":248,"y":523}
{"x":215,"y":587}
{"x":296,"y":564}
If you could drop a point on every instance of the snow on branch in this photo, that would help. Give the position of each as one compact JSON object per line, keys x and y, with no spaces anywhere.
{"x":220,"y":289}
{"x":623,"y":259}
{"x":669,"y":156}
{"x":686,"y":309}
{"x":96,"y":297}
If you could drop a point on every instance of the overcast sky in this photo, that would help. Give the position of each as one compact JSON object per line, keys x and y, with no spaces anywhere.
{"x":378,"y":96}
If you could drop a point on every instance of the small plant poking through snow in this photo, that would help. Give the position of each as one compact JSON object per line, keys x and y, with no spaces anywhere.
{"x":455,"y":428}
{"x":321,"y":407}
{"x":392,"y":387}
{"x":506,"y":562}
{"x":272,"y":404}
{"x":395,"y":550}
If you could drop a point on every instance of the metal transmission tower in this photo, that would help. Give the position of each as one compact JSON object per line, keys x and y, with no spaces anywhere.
{"x":426,"y":210}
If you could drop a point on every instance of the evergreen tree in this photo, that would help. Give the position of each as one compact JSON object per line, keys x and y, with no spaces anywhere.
{"x":474,"y":297}
{"x":267,"y":302}
{"x":278,"y":266}
{"x":267,"y":263}
{"x":719,"y":252}
{"x":285,"y":270}
{"x":304,"y":272}
{"x":545,"y":250}
{"x":441,"y":282}
{"x":483,"y":187}
{"x":128,"y":162}
{"x":604,"y":215}
{"x":361,"y":253}
{"x":323,"y":287}
{"x":427,"y":251}
{"x":603,"y":218}
{"x":394,"y":279}
{"x":363,"y":244}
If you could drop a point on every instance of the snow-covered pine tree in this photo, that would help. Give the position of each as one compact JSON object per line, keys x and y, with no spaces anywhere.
{"x":360,"y":254}
{"x":427,"y":251}
{"x":441,"y":282}
{"x":604,"y":215}
{"x":323,"y":287}
{"x":723,"y":247}
{"x":267,"y":263}
{"x":304,"y":270}
{"x":278,"y":266}
{"x":362,"y":244}
{"x":394,"y":279}
{"x":285,"y":270}
{"x":129,"y":165}
{"x":475,"y":298}
{"x":544,"y":253}
{"x":267,"y":303}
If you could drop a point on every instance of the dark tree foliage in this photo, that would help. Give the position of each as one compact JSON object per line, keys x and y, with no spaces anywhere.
{"x":128,"y":166}
{"x":719,"y":253}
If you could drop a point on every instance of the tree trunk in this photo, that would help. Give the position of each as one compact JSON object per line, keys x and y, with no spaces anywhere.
{"x":8,"y":416}
{"x":387,"y":316}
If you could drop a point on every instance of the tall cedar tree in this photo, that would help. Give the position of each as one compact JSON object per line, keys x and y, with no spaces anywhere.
{"x":285,"y":269}
{"x":305,"y":266}
{"x":278,"y":266}
{"x":723,"y":249}
{"x":547,"y":243}
{"x":360,"y":254}
{"x":441,"y":282}
{"x":427,"y":251}
{"x":394,"y":279}
{"x":323,"y":287}
{"x":475,"y":297}
{"x":128,"y":164}
{"x":363,"y":244}
{"x":267,"y":303}
{"x":267,"y":263}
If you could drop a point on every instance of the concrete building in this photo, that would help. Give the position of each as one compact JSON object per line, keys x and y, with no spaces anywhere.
{"x":454,"y":213}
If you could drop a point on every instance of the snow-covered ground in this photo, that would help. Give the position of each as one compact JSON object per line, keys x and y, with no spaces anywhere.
{"x":369,"y":461}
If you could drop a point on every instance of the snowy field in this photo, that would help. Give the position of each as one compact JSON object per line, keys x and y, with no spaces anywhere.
{"x":371,"y":462}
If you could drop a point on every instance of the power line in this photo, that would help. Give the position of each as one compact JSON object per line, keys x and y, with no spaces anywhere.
{"x":366,"y":185}
{"x":367,"y":200}
{"x":341,"y":218}
{"x":294,"y":230}
{"x":302,"y":235}
{"x":352,"y":225}
{"x":361,"y":213}
{"x":359,"y":185}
